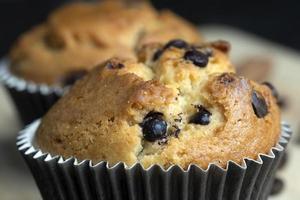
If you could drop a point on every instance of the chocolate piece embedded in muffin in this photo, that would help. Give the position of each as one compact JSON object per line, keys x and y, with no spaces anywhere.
{"x":165,"y":111}
{"x":202,"y":116}
{"x":154,"y":127}
{"x":80,"y":35}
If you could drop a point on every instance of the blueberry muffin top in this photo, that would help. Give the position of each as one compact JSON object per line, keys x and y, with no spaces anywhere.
{"x":178,"y":104}
{"x":78,"y":36}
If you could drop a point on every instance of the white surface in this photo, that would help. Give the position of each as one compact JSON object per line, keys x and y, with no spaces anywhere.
{"x":16,"y":183}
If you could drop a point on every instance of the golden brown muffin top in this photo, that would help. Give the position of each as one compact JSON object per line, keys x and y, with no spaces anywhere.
{"x":178,"y":104}
{"x":78,"y":36}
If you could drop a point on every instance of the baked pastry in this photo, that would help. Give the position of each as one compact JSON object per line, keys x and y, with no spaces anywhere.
{"x":178,"y":105}
{"x":81,"y":35}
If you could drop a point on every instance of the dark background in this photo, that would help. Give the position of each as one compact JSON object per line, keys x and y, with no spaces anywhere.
{"x":273,"y":19}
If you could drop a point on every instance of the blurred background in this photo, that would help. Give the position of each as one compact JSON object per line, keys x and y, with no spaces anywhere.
{"x":272,"y":19}
{"x":265,"y":46}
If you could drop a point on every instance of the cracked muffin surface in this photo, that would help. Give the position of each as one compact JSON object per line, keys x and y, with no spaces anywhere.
{"x":81,"y":35}
{"x":178,"y":104}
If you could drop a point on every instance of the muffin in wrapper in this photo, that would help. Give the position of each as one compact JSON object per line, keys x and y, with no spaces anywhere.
{"x":31,"y":100}
{"x":68,"y":178}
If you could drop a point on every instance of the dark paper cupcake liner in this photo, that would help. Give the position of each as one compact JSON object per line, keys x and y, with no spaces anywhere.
{"x":59,"y":178}
{"x":31,"y":100}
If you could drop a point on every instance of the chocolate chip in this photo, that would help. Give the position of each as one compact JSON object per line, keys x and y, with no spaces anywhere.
{"x":273,"y":89}
{"x":157,"y":54}
{"x":181,"y":44}
{"x":202,"y":116}
{"x":173,"y":43}
{"x":73,"y":76}
{"x":277,"y":186}
{"x":259,"y":105}
{"x":154,"y":127}
{"x":114,"y":64}
{"x":221,"y":45}
{"x":226,"y":78}
{"x":198,"y":58}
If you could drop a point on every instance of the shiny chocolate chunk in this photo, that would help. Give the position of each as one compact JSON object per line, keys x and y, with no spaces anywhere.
{"x":259,"y":105}
{"x":197,"y":57}
{"x":154,"y":127}
{"x":202,"y":116}
{"x":178,"y":43}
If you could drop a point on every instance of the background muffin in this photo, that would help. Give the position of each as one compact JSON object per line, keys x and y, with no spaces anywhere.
{"x":80,"y":35}
{"x":180,"y":105}
{"x":75,"y":38}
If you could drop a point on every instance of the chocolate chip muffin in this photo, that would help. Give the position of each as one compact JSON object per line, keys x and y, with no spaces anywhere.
{"x":80,"y":35}
{"x":179,"y":104}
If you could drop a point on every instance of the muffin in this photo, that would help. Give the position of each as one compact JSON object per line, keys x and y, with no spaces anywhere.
{"x":78,"y":36}
{"x":177,"y":123}
{"x":75,"y":38}
{"x":185,"y":107}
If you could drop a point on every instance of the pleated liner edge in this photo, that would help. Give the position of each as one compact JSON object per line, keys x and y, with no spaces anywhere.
{"x":59,"y":178}
{"x":31,"y":100}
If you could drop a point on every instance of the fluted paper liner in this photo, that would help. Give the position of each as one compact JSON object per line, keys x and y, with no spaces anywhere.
{"x":31,"y":100}
{"x":59,"y":178}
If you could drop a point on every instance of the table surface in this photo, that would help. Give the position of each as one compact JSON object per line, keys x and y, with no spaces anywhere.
{"x":17,"y":183}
